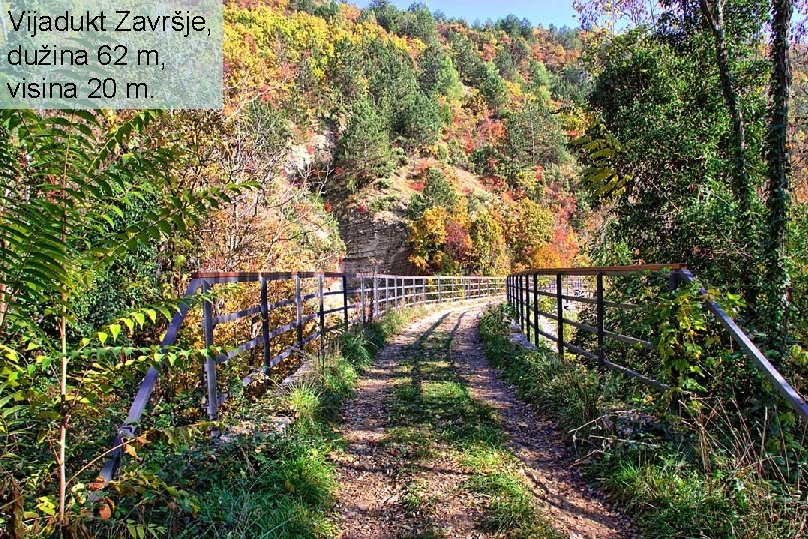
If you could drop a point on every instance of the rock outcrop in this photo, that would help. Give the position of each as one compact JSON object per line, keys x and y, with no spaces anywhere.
{"x":375,"y":242}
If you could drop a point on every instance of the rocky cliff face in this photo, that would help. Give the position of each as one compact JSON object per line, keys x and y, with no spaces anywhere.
{"x":375,"y":242}
{"x":373,"y":222}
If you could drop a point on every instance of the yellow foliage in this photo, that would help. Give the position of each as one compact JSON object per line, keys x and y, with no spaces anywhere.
{"x":268,"y":50}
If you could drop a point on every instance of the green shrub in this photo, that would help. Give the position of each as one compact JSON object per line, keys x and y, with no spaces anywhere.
{"x":675,"y":478}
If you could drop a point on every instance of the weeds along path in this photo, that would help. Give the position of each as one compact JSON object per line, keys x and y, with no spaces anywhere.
{"x":437,"y":446}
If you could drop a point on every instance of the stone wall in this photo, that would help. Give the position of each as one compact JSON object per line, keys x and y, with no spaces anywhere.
{"x":375,"y":243}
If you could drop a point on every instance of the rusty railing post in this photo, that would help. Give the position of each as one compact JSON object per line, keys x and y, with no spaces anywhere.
{"x":265,"y":323}
{"x":673,"y":280}
{"x":527,"y":306}
{"x":536,"y":308}
{"x":521,"y":285}
{"x":210,"y":359}
{"x":299,"y":307}
{"x":345,"y":299}
{"x":374,"y":313}
{"x":528,"y":309}
{"x":321,"y":300}
{"x":560,"y":313}
{"x":508,"y":290}
{"x":600,"y":315}
{"x":362,"y":294}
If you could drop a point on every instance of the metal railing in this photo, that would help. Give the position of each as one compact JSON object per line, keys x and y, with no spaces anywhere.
{"x":565,"y":286}
{"x":318,"y":303}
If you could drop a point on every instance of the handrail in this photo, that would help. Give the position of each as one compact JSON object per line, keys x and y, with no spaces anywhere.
{"x":520,"y":289}
{"x":606,"y":270}
{"x":776,"y":379}
{"x":372,"y":296}
{"x":146,"y":388}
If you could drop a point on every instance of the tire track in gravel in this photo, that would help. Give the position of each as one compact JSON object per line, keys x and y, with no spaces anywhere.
{"x":574,"y":508}
{"x":370,"y":490}
{"x":375,"y":476}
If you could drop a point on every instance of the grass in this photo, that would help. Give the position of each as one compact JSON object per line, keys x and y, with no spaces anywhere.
{"x":414,"y":497}
{"x":434,"y":410}
{"x":511,"y":509}
{"x":258,"y":483}
{"x":647,"y":462}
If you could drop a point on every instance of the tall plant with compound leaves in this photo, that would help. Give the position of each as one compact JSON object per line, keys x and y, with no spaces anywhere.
{"x":68,"y":181}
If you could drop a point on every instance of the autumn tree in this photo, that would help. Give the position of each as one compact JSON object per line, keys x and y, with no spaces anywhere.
{"x":488,"y":240}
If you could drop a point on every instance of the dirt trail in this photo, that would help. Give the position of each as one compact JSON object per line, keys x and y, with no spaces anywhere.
{"x":572,"y":505}
{"x":395,"y":486}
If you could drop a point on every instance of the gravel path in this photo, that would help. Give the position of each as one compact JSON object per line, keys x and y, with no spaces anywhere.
{"x":375,"y":475}
{"x":573,"y":506}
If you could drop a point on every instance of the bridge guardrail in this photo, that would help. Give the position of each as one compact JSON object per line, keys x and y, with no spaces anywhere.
{"x":321,"y":303}
{"x":524,"y":289}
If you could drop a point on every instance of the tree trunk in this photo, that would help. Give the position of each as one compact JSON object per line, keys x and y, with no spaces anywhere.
{"x":777,"y":164}
{"x":741,"y":186}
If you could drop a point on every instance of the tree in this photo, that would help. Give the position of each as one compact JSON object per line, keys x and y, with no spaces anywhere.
{"x":529,"y":228}
{"x":392,"y":80}
{"x":438,"y":192}
{"x":419,"y":23}
{"x":541,"y":80}
{"x":437,"y":74}
{"x":491,"y":85}
{"x":661,"y":106}
{"x":364,"y":150}
{"x":420,"y":121}
{"x":70,"y":179}
{"x":465,"y":56}
{"x":713,"y":15}
{"x":777,"y":165}
{"x":533,"y":137}
{"x":515,"y":27}
{"x":427,"y":236}
{"x":487,"y":237}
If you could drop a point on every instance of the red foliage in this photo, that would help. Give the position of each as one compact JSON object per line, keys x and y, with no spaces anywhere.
{"x":363,"y":208}
{"x":458,"y":242}
{"x":418,"y":185}
{"x":490,"y":131}
{"x":539,"y":173}
{"x":489,"y":52}
{"x":328,"y":207}
{"x":494,"y":182}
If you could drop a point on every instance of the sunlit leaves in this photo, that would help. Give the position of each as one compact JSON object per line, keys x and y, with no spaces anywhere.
{"x":600,"y":151}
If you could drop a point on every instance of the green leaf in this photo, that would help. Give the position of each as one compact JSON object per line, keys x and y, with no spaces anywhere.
{"x":115,"y":329}
{"x":129,"y":324}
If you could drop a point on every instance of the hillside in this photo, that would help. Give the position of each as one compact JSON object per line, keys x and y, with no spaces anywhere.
{"x":389,"y":91}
